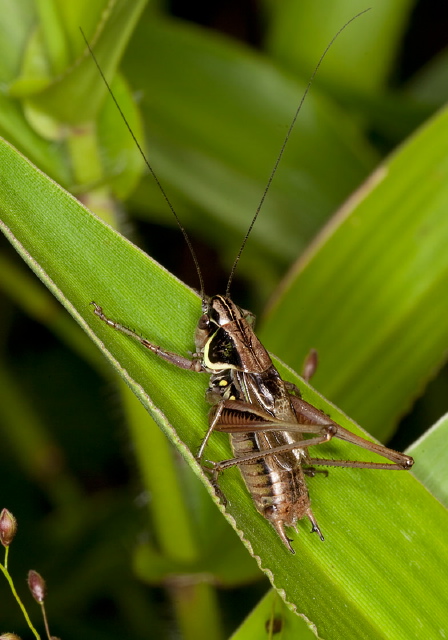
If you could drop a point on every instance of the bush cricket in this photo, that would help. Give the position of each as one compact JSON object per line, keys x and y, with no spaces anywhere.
{"x":271,"y":427}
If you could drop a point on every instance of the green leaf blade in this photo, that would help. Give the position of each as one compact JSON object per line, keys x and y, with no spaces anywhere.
{"x":298,"y":34}
{"x":375,"y":281}
{"x":431,"y":459}
{"x":382,"y":528}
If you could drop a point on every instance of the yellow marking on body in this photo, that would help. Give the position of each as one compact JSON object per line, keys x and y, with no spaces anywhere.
{"x":217,"y":366}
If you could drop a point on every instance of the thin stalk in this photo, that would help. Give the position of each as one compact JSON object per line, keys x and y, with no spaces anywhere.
{"x":20,"y":603}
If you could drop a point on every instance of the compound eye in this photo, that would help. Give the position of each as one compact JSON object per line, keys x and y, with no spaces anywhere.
{"x":204,"y":322}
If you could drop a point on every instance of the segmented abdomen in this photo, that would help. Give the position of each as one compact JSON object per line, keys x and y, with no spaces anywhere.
{"x":275,"y":482}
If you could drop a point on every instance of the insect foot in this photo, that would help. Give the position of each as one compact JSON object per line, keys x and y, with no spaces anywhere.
{"x":213,"y":472}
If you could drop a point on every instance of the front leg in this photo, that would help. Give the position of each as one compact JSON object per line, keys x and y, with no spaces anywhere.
{"x":215,"y":415}
{"x":193,"y":364}
{"x":218,"y":408}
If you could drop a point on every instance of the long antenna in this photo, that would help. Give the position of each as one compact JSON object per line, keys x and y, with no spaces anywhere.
{"x":285,"y":141}
{"x":151,"y":170}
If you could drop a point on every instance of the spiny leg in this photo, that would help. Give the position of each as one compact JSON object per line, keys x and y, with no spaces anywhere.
{"x":227,"y":411}
{"x":200,"y":453}
{"x":400,"y":460}
{"x":306,"y":411}
{"x":210,"y":430}
{"x":193,"y":364}
{"x":357,"y":464}
{"x":252,"y":457}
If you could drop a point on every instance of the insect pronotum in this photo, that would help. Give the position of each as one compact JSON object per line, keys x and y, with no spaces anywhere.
{"x":271,"y":427}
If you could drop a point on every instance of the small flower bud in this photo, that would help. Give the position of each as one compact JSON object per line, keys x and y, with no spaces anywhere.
{"x":9,"y":636}
{"x":8,"y":527}
{"x":37,"y":586}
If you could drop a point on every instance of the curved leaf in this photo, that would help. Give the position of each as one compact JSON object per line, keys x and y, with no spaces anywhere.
{"x":109,"y":28}
{"x":382,"y":528}
{"x":432,"y":459}
{"x":370,"y":293}
{"x":300,"y":31}
{"x":272,"y":616}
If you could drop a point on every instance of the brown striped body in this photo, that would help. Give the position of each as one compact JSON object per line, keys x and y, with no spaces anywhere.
{"x":276,"y":483}
{"x":247,"y":391}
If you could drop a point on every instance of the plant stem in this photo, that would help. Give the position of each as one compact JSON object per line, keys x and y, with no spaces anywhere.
{"x":197,"y":609}
{"x":20,"y":603}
